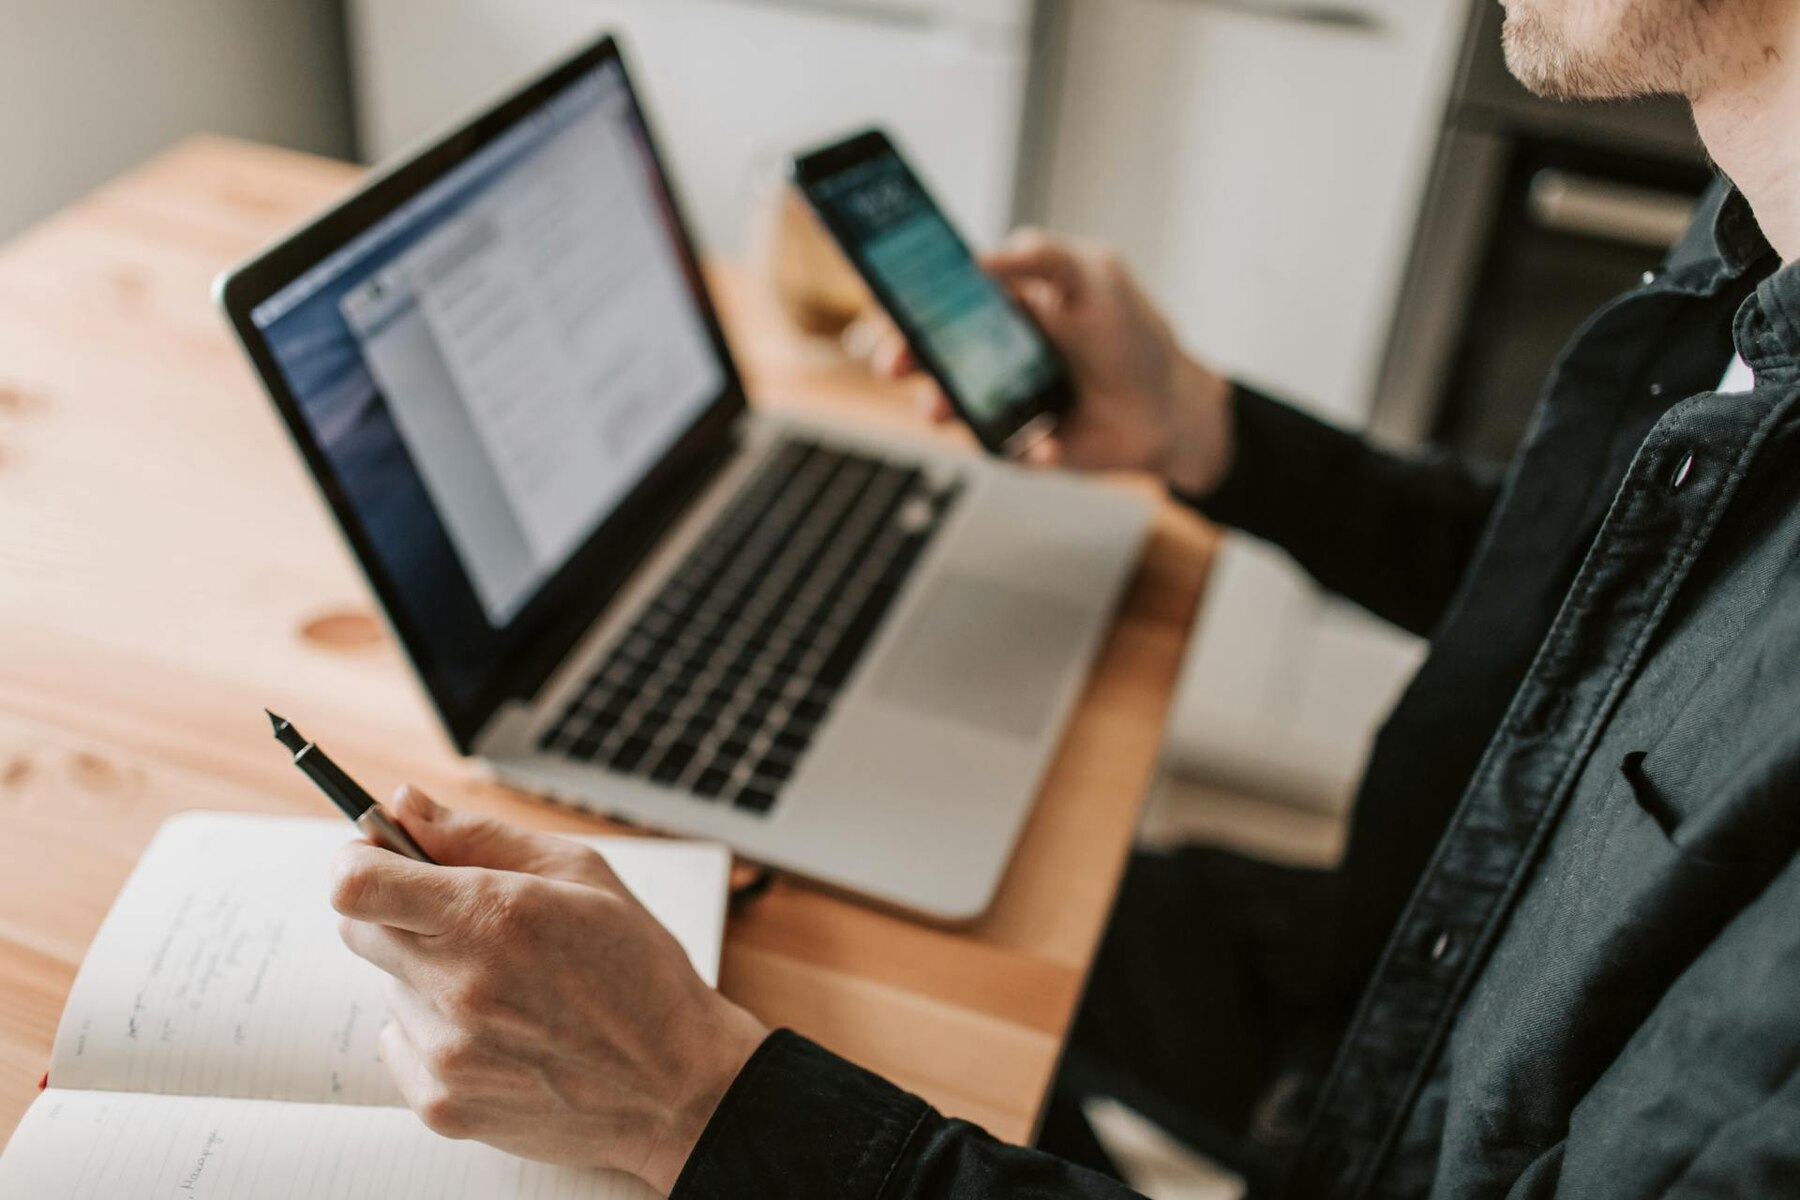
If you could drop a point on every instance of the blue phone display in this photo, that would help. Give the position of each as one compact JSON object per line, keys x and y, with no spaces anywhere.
{"x":990,"y":358}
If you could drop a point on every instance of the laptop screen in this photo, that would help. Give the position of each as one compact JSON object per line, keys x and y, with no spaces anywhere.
{"x":492,"y":368}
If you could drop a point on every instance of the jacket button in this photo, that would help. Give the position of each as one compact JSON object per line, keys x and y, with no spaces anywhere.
{"x":1682,"y":470}
{"x":1440,"y":946}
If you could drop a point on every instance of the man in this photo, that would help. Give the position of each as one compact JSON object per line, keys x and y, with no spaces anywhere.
{"x":1570,"y":907}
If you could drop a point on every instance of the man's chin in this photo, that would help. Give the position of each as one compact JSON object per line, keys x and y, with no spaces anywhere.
{"x":1541,"y":58}
{"x":1539,"y":61}
{"x":1531,"y":57}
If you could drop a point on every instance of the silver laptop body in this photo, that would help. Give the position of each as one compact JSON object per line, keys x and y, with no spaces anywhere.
{"x":921,"y":776}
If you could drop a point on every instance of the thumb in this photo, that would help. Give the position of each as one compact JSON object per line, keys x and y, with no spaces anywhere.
{"x":463,"y":839}
{"x":1035,"y":257}
{"x":1049,"y":308}
{"x":1043,"y":301}
{"x":1047,"y":452}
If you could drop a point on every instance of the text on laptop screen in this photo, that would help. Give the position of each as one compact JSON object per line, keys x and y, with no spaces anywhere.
{"x":492,"y":368}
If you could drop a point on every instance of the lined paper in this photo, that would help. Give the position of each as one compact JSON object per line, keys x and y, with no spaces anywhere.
{"x":219,"y":971}
{"x":82,"y":1145}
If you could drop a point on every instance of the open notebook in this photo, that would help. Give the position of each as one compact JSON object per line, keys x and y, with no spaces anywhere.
{"x":220,"y":1041}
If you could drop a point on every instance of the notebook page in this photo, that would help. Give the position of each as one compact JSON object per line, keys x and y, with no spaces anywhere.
{"x":103,"y":1145}
{"x":219,"y":972}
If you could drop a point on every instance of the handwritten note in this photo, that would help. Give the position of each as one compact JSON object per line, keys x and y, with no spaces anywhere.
{"x":219,"y":971}
{"x":82,"y":1145}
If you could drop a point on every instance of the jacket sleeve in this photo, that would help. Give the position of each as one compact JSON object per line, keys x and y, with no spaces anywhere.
{"x":1392,"y":532}
{"x":803,"y":1124}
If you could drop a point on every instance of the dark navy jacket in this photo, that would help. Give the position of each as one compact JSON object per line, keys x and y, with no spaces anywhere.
{"x":1570,"y":908}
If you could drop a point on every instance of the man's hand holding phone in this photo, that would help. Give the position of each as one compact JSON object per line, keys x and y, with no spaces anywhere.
{"x":1141,"y":402}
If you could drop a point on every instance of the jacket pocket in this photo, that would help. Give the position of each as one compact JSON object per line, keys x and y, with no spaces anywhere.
{"x":1651,"y":801}
{"x":1741,"y":811}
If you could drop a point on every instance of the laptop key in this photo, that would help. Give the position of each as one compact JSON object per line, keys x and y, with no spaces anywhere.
{"x":771,"y":770}
{"x":673,"y":764}
{"x":791,"y":743}
{"x":754,"y":799}
{"x":631,"y":753}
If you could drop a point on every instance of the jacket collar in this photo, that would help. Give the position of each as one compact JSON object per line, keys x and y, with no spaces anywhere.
{"x":1724,"y":244}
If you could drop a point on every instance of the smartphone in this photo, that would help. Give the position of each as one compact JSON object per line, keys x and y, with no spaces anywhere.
{"x":1002,"y":374}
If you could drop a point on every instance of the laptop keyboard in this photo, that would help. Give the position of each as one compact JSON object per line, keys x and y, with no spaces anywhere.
{"x":719,"y":686}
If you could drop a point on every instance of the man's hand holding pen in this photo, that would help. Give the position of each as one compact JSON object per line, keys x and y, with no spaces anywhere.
{"x":536,"y":1005}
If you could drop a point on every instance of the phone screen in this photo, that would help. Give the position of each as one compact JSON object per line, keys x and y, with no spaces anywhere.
{"x":990,"y":358}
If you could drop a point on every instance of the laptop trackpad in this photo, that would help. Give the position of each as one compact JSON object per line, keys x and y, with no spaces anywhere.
{"x":983,"y":653}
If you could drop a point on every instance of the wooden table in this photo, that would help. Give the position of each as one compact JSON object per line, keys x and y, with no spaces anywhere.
{"x":166,"y":570}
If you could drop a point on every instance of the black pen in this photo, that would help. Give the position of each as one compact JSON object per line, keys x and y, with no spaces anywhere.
{"x":346,"y":793}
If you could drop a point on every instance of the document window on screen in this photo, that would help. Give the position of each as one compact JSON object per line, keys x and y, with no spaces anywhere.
{"x":538,"y":348}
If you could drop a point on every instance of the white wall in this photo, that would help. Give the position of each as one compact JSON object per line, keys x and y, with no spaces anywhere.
{"x":732,"y":87}
{"x":1264,"y":175}
{"x":90,"y":87}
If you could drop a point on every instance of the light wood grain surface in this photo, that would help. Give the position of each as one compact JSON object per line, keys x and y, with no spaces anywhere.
{"x":166,"y":570}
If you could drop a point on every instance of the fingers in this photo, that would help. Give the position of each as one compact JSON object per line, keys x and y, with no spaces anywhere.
{"x":431,"y":1036}
{"x":932,"y":404}
{"x":449,"y":1075}
{"x":893,"y":358}
{"x":395,"y":951}
{"x":463,"y":839}
{"x":374,"y":885}
{"x":1033,"y":255}
{"x":1045,"y":303}
{"x":455,"y":838}
{"x":423,"y":1092}
{"x":405,"y":1064}
{"x":411,"y":806}
{"x":452,"y":1050}
{"x":875,"y":339}
{"x":1046,"y":452}
{"x":411,"y":1011}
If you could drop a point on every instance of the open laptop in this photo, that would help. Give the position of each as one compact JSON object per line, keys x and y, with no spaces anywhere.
{"x":843,"y":655}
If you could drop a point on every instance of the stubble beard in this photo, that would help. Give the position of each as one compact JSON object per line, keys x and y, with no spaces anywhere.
{"x":1651,"y":47}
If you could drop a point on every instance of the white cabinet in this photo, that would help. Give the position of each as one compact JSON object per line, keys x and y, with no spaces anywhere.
{"x":733,"y":86}
{"x":1263,"y":174}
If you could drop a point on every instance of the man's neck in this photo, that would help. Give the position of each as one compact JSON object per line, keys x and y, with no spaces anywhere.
{"x":1750,"y":123}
